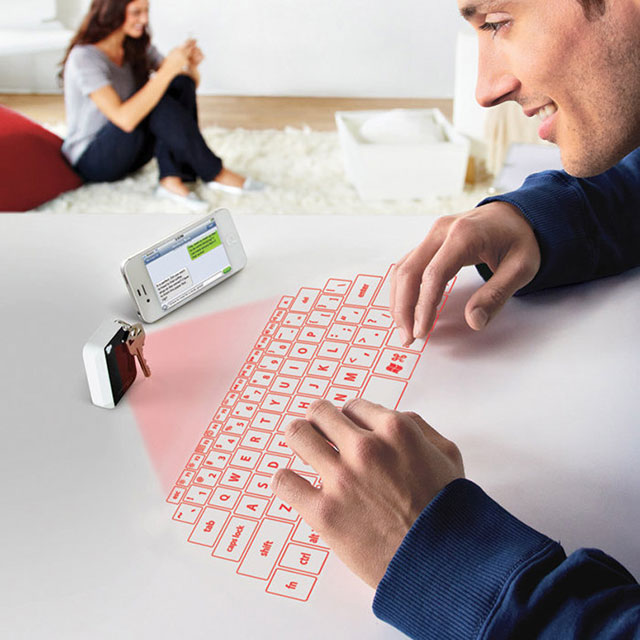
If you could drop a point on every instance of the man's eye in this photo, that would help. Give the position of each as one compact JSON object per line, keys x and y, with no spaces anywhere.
{"x":492,"y":26}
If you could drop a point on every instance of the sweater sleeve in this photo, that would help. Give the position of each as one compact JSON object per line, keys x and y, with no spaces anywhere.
{"x":469,"y":569}
{"x":587,"y":228}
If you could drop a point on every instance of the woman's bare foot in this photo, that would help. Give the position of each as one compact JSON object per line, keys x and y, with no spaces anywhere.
{"x":229,"y":178}
{"x":175,"y":185}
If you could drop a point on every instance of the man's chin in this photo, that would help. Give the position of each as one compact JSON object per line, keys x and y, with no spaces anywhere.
{"x":583,"y":165}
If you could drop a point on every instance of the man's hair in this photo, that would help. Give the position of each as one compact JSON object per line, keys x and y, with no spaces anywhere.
{"x":593,"y":9}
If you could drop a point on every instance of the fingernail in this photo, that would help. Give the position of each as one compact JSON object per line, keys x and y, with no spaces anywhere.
{"x":417,"y":331}
{"x":479,"y":318}
{"x":406,"y":340}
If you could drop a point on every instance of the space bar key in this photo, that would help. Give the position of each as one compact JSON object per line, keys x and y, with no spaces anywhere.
{"x":384,"y":391}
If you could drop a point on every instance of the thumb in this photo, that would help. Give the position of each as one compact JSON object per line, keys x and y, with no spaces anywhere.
{"x":512,"y":274}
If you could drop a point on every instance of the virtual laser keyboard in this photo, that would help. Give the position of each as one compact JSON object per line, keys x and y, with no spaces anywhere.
{"x":336,"y":343}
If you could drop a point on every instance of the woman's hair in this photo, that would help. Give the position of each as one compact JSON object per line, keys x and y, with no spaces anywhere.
{"x":102,"y":19}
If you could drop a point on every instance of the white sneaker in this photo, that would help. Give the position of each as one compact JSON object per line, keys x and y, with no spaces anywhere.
{"x":250,"y":185}
{"x":191,"y":200}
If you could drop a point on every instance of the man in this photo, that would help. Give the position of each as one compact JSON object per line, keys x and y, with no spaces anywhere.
{"x":446,"y":560}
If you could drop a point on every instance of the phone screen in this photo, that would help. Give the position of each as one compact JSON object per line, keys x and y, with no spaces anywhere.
{"x":187,"y":263}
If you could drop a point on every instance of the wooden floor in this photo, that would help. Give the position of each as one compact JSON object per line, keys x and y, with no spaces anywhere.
{"x":248,"y":112}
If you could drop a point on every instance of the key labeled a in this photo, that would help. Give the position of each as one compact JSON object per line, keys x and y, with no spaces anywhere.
{"x":251,"y":507}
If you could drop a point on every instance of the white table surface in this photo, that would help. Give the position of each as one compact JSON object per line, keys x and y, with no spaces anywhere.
{"x":544,"y":405}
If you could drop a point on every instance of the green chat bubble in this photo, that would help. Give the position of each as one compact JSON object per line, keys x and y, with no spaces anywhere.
{"x":204,"y":245}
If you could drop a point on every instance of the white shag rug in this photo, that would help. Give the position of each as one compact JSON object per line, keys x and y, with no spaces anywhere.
{"x":303,"y":168}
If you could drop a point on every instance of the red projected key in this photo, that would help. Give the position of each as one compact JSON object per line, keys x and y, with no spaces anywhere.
{"x":291,"y":585}
{"x":303,"y":558}
{"x":208,"y":529}
{"x":264,"y":550}
{"x":235,"y":539}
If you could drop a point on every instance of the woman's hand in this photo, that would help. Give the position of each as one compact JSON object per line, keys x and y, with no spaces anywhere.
{"x":195,"y":56}
{"x":178,"y":59}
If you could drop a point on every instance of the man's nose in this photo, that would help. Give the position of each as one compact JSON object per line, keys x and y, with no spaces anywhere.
{"x":496,"y":83}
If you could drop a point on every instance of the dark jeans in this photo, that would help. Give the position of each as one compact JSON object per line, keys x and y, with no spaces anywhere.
{"x":170,"y":132}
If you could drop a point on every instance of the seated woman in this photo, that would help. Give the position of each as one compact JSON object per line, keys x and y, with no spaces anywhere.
{"x":125,"y":104}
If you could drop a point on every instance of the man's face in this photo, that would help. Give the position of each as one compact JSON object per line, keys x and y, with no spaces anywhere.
{"x":580,"y":77}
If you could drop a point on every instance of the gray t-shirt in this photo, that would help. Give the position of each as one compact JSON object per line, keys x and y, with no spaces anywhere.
{"x":88,"y":69}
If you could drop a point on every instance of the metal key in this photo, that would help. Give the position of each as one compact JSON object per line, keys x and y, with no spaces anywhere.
{"x":135,"y":343}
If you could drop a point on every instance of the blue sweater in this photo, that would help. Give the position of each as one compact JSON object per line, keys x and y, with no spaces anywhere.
{"x":469,"y":569}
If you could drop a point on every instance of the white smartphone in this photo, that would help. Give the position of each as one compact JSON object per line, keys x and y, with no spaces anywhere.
{"x":180,"y":267}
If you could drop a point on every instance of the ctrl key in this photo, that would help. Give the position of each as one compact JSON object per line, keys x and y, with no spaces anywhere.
{"x":291,"y":585}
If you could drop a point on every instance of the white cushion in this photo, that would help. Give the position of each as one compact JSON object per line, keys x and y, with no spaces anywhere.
{"x":402,"y":126}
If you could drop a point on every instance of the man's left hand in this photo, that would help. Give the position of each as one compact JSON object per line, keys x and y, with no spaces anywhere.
{"x":379,"y":469}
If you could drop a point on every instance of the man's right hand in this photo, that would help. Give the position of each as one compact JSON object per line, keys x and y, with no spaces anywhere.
{"x":495,"y":234}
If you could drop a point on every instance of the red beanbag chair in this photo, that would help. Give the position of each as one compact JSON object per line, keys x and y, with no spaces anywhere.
{"x":32,"y":168}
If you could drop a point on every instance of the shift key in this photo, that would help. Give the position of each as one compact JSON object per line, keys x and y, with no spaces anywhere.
{"x":262,"y":556}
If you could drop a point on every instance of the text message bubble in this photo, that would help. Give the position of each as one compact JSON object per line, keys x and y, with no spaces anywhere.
{"x":174,"y":284}
{"x":204,"y":245}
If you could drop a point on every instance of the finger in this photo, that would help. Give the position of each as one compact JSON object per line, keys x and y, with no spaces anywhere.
{"x":294,"y":490}
{"x":430,"y":433}
{"x":445,"y":264}
{"x":513,"y":273}
{"x":406,"y":285}
{"x":333,"y":423}
{"x":304,"y":440}
{"x":393,"y":283}
{"x":350,"y":409}
{"x":443,"y":444}
{"x":368,"y":415}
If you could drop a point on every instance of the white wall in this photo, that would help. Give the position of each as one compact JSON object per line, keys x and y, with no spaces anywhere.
{"x":318,"y":48}
{"x":364,"y":48}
